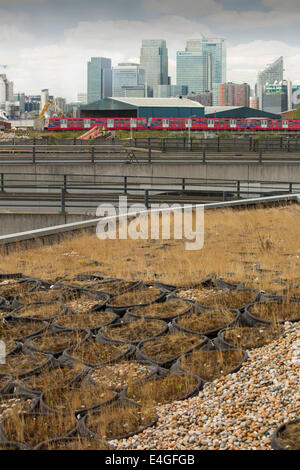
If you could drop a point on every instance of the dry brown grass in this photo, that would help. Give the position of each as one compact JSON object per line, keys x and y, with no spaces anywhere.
{"x":40,"y":311}
{"x":53,"y":378}
{"x":94,"y":353}
{"x":210,"y":365}
{"x":23,"y":363}
{"x":250,"y":337}
{"x":163,"y":390}
{"x":166,"y":309}
{"x":141,"y":296}
{"x":77,"y":398}
{"x":168,"y":346}
{"x":276,"y":312}
{"x":119,"y":419}
{"x":76,"y":443}
{"x":57,"y":342}
{"x":134,"y":331}
{"x":290,"y":437}
{"x":85,"y":320}
{"x":207,"y":321}
{"x":231,"y":238}
{"x":32,"y":429}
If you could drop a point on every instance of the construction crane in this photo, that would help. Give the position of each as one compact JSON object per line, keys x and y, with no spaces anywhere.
{"x":48,"y":103}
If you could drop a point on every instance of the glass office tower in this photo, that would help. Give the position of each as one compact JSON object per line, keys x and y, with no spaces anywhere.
{"x":202,"y":64}
{"x":272,"y":73}
{"x":154,"y":60}
{"x":127,"y":75}
{"x":99,"y":79}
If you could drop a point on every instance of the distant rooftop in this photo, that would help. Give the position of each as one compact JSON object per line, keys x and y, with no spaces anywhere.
{"x":163,"y":102}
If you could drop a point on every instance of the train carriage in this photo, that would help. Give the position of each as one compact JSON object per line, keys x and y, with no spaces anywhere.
{"x":174,"y":124}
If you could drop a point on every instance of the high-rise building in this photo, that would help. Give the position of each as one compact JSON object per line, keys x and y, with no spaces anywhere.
{"x":99,"y":79}
{"x":273,"y":72}
{"x":254,"y":102}
{"x":168,"y":91}
{"x":276,"y":97}
{"x":154,"y":60}
{"x":2,"y":89}
{"x":202,"y":64}
{"x":231,"y":94}
{"x":44,"y":98}
{"x":82,"y":98}
{"x":206,"y":99}
{"x":126,"y":75}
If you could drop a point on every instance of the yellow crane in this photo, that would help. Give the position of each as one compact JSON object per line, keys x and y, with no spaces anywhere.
{"x":48,"y":103}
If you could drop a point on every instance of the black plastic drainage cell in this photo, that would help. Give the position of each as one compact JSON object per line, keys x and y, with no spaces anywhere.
{"x":293,"y":444}
{"x":59,"y":401}
{"x":80,"y":301}
{"x":208,"y":315}
{"x":121,"y":303}
{"x":182,"y":386}
{"x":132,"y":332}
{"x":222,"y":343}
{"x":225,"y":298}
{"x":290,"y":312}
{"x":34,"y":384}
{"x":168,"y":348}
{"x":114,"y":287}
{"x":36,"y":427}
{"x":56,"y":343}
{"x":208,"y":363}
{"x":23,"y":365}
{"x":159,"y":310}
{"x":96,"y":354}
{"x":46,"y":311}
{"x":91,"y":320}
{"x":120,"y":420}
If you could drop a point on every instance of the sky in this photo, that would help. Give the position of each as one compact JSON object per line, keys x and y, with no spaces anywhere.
{"x":46,"y":44}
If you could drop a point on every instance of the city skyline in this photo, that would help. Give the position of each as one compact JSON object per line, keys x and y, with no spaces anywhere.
{"x":46,"y":43}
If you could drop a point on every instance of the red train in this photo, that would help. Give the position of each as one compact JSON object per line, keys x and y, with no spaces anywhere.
{"x":179,"y":124}
{"x":4,"y":125}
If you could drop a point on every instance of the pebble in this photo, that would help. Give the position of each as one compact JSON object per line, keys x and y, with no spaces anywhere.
{"x":238,"y":411}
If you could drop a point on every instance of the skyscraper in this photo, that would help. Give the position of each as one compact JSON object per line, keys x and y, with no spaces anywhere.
{"x":274,"y":72}
{"x":231,"y":94}
{"x":126,"y":75}
{"x":202,"y":64}
{"x":99,"y":79}
{"x":154,"y":60}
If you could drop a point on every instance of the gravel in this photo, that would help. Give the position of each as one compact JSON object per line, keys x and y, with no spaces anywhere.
{"x":237,"y":411}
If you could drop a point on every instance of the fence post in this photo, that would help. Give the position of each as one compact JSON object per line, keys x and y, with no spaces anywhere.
{"x":224,"y":196}
{"x":147,"y":198}
{"x":33,"y":154}
{"x":260,"y":156}
{"x":125,"y":184}
{"x":65,"y":182}
{"x":149,"y":154}
{"x":63,"y":201}
{"x":93,"y":154}
{"x":204,"y":155}
{"x":250,"y":143}
{"x":238,"y":189}
{"x":183,"y":184}
{"x":2,"y":182}
{"x":164,"y":145}
{"x":291,"y":188}
{"x":288,"y":149}
{"x":191,"y":144}
{"x":218,"y":144}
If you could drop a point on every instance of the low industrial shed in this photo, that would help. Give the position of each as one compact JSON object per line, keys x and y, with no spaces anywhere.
{"x":143,"y":108}
{"x":237,"y":112}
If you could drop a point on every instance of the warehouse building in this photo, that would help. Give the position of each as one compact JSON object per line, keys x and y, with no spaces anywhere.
{"x":237,"y":112}
{"x":143,"y":108}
